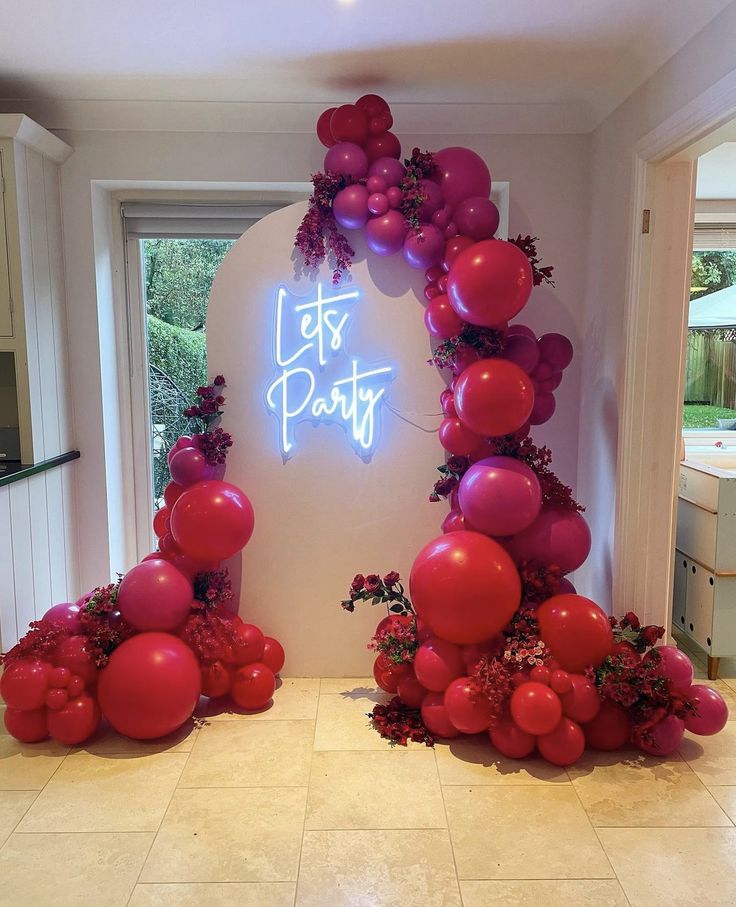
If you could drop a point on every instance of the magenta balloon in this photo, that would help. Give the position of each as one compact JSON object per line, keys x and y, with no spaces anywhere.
{"x":347,"y":159}
{"x":543,"y":409}
{"x":664,"y":738}
{"x":547,"y":385}
{"x":453,"y":522}
{"x":66,"y":614}
{"x":189,"y":465}
{"x":557,"y":536}
{"x":179,"y":444}
{"x":465,"y":356}
{"x":476,"y":217}
{"x":565,"y":587}
{"x":490,"y":282}
{"x":441,"y":218}
{"x":394,"y":196}
{"x":463,"y":174}
{"x":432,"y":199}
{"x":376,"y":184}
{"x":424,"y":248}
{"x":522,"y":350}
{"x":154,"y":595}
{"x":389,"y":169}
{"x":556,"y":350}
{"x":378,"y":203}
{"x":676,"y":667}
{"x":711,"y":712}
{"x":521,"y":329}
{"x":500,"y":496}
{"x":350,"y":207}
{"x":385,"y":235}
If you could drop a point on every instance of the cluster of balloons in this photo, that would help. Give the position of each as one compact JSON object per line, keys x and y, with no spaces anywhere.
{"x":153,"y":680}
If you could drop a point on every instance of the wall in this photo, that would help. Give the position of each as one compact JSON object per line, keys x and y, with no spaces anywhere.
{"x":549,"y":191}
{"x":701,"y":63}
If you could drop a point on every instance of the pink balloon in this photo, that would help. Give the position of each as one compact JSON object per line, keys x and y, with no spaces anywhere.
{"x":676,"y":667}
{"x":66,"y":614}
{"x":521,"y":349}
{"x":350,"y":207}
{"x":463,"y":174}
{"x":347,"y":159}
{"x":376,"y":183}
{"x":385,"y":235}
{"x":432,"y":199}
{"x":454,"y":522}
{"x":663,"y":738}
{"x":378,"y":203}
{"x":500,"y":496}
{"x":543,"y":409}
{"x":476,"y":217}
{"x":441,"y":218}
{"x":548,"y":385}
{"x":711,"y":712}
{"x":424,"y":248}
{"x":556,"y":350}
{"x":180,"y":444}
{"x":189,"y":465}
{"x":154,"y":595}
{"x":389,"y":169}
{"x":464,"y":357}
{"x":557,"y":536}
{"x":523,"y":330}
{"x":394,"y":196}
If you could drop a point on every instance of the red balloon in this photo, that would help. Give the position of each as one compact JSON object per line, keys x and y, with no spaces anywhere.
{"x":249,"y":645}
{"x":171,"y":494}
{"x":75,"y":653}
{"x":453,"y":522}
{"x":273,"y":654}
{"x":349,"y":123}
{"x":441,"y":320}
{"x":154,"y":595}
{"x":557,"y":536}
{"x":467,"y":708}
{"x":56,"y":699}
{"x":610,"y":729}
{"x":24,"y":683}
{"x":510,"y":740}
{"x":472,"y":653}
{"x":216,"y":680}
{"x":564,"y":745}
{"x":453,"y":248}
{"x":465,"y":587}
{"x":710,"y":712}
{"x":385,"y":145}
{"x":556,"y":350}
{"x":582,"y":703}
{"x":535,"y":708}
{"x":76,"y":722}
{"x":490,"y":282}
{"x":500,"y":496}
{"x":253,"y":686}
{"x":26,"y":725}
{"x":161,"y":522}
{"x":373,"y":105}
{"x":212,"y":521}
{"x":150,"y":686}
{"x":560,"y":682}
{"x":435,"y":717}
{"x":410,"y":691}
{"x":437,"y":663}
{"x":457,"y":439}
{"x":447,"y":402}
{"x":493,"y":397}
{"x":387,"y":674}
{"x":324,"y":133}
{"x":575,"y":630}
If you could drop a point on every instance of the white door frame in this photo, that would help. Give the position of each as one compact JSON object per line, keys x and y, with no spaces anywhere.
{"x":656,"y":333}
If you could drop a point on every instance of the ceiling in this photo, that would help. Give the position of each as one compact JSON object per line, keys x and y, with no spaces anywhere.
{"x":575,"y":55}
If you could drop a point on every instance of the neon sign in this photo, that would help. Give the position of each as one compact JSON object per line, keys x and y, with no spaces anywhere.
{"x":316,"y":380}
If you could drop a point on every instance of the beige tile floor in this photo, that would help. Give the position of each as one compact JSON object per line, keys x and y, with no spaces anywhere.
{"x":305,"y":805}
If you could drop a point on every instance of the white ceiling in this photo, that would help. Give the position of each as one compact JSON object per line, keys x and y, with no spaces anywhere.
{"x":717,"y":173}
{"x":586,"y":55}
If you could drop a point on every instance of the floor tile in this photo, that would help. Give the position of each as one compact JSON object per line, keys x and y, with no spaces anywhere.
{"x":106,"y":793}
{"x":343,"y":724}
{"x":229,"y":835}
{"x":108,"y":742}
{"x":28,"y":766}
{"x":294,"y":700}
{"x":13,"y":805}
{"x":524,"y":832}
{"x":713,"y":759}
{"x":251,"y":754}
{"x":377,"y":869}
{"x":630,"y":789}
{"x":472,"y":760}
{"x":59,"y":870}
{"x":726,"y":799}
{"x":556,"y":893}
{"x":375,"y":790}
{"x":214,"y":894}
{"x":675,"y":866}
{"x":346,"y":685}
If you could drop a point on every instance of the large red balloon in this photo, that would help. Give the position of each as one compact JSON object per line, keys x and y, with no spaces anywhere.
{"x":24,"y":683}
{"x":467,"y":708}
{"x":150,"y":686}
{"x":563,"y":745}
{"x":154,"y":595}
{"x":437,"y":663}
{"x":490,"y":282}
{"x":575,"y":630}
{"x":610,"y":729}
{"x":212,"y":521}
{"x":500,"y":496}
{"x":535,"y":708}
{"x":465,"y":587}
{"x":76,"y":721}
{"x":493,"y":397}
{"x":253,"y":686}
{"x":557,"y":536}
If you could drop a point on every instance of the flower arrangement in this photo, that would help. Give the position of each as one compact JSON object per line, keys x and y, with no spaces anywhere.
{"x":213,"y":588}
{"x":528,"y":245}
{"x":388,"y":591}
{"x":419,"y":166}
{"x":486,"y":342}
{"x":451,"y":472}
{"x":396,"y":639}
{"x":398,"y":723}
{"x":102,"y":624}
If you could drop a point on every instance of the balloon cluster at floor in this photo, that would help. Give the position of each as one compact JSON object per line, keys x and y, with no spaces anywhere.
{"x":142,"y":651}
{"x":492,"y":636}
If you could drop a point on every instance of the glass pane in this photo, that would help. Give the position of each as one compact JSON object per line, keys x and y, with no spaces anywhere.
{"x":710,"y":364}
{"x":177,"y":277}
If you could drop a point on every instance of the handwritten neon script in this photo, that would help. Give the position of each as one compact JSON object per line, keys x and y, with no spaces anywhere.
{"x":317,"y":380}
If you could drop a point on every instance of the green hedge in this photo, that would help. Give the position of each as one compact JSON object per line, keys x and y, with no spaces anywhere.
{"x":180,"y":353}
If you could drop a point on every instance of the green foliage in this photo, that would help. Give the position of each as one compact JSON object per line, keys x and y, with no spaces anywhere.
{"x":712,"y":270}
{"x":705,"y":416}
{"x":180,"y":353}
{"x":178,"y":277}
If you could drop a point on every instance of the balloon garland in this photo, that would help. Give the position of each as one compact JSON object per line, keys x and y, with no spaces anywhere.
{"x":495,"y":639}
{"x":141,"y":651}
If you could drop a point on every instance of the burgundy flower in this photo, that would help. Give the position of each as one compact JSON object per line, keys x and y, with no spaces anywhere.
{"x":390,"y":579}
{"x":219,"y":381}
{"x":632,"y":620}
{"x":357,"y":583}
{"x":445,"y":486}
{"x":372,"y":583}
{"x":651,"y":634}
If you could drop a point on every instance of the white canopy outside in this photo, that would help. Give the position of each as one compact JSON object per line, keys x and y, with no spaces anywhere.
{"x":716,"y":310}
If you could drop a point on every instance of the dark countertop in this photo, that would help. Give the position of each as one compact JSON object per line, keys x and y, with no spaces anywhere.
{"x":16,"y":472}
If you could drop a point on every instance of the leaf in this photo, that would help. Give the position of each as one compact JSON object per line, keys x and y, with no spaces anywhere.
{"x":397,"y":609}
{"x":376,"y":600}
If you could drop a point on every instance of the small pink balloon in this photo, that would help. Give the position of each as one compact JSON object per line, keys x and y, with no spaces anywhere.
{"x":347,"y":159}
{"x":543,"y":409}
{"x":522,"y":350}
{"x":66,"y":615}
{"x":389,"y":169}
{"x":453,"y":522}
{"x":676,"y":667}
{"x":710,"y":711}
{"x":565,"y":587}
{"x":432,"y":198}
{"x":385,"y":235}
{"x":350,"y":207}
{"x":189,"y":465}
{"x":424,"y":248}
{"x":521,"y":329}
{"x":548,"y":385}
{"x":378,"y":203}
{"x":465,"y":356}
{"x":664,"y":738}
{"x":394,"y":196}
{"x":476,"y":217}
{"x":441,"y":218}
{"x":556,"y":350}
{"x":376,"y":184}
{"x":450,"y":230}
{"x":180,"y":444}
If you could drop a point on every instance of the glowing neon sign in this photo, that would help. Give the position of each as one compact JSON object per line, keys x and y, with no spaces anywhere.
{"x":316,"y":379}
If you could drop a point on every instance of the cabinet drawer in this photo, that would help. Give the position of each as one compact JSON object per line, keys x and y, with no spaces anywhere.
{"x":679,"y":595}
